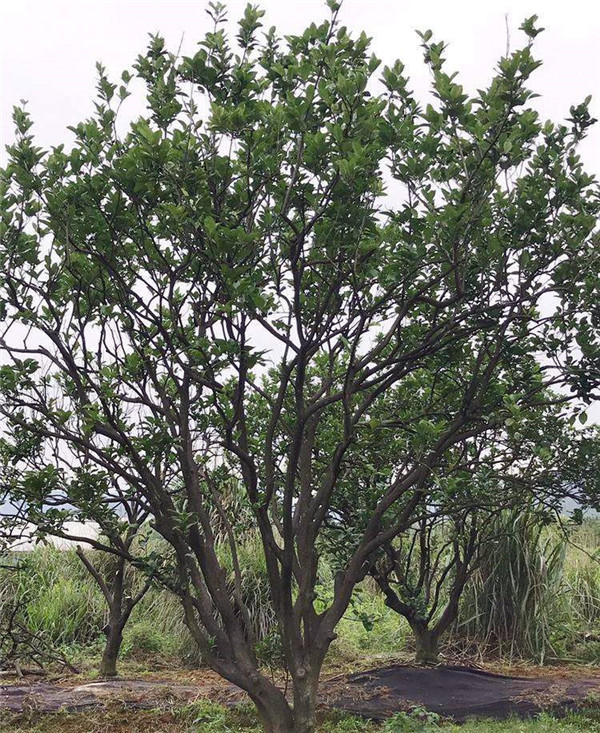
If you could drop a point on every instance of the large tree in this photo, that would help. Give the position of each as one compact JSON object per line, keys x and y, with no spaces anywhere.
{"x":279,"y":242}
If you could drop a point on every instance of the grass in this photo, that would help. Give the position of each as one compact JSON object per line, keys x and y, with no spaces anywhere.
{"x":584,"y":722}
{"x":535,"y":595}
{"x":369,"y":628}
{"x":65,"y":606}
{"x":206,"y":717}
{"x":516,"y":592}
{"x":539,"y":598}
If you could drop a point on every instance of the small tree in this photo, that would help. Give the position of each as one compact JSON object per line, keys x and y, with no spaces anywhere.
{"x":423,"y":577}
{"x":424,"y":571}
{"x":226,"y":282}
{"x":429,"y":569}
{"x":120,"y":597}
{"x":119,"y":519}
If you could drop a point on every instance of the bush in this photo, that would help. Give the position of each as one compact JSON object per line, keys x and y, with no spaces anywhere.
{"x":418,"y":720}
{"x":142,"y":637}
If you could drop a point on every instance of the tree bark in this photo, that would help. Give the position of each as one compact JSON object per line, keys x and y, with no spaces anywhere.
{"x":114,"y":638}
{"x":305,"y":702}
{"x":426,"y":645}
{"x":275,"y":713}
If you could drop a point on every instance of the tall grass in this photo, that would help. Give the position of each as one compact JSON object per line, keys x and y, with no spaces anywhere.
{"x":516,"y":598}
{"x":536,"y":591}
{"x":534,"y":595}
{"x":255,"y":587}
{"x":57,"y":596}
{"x":582,"y":575}
{"x":62,"y":602}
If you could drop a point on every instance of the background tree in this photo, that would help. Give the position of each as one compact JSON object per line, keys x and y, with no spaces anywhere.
{"x":119,"y":541}
{"x":423,"y":576}
{"x":276,"y":246}
{"x":527,"y":467}
{"x":121,"y":597}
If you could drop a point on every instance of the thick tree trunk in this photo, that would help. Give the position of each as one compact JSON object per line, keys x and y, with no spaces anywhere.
{"x":277,"y":714}
{"x":114,"y":637}
{"x":426,"y":645}
{"x":305,"y":702}
{"x":274,"y":711}
{"x":287,"y":721}
{"x":276,"y":722}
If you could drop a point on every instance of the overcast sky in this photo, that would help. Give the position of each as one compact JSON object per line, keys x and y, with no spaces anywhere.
{"x":48,"y":48}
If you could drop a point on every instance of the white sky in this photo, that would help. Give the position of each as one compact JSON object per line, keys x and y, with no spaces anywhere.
{"x":48,"y":48}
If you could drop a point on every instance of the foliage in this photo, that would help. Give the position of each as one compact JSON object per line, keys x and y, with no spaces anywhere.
{"x":417,"y":720}
{"x":58,"y":599}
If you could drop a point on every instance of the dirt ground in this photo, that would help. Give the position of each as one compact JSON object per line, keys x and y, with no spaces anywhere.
{"x":454,"y":692}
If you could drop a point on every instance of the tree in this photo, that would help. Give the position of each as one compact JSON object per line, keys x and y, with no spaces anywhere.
{"x":532,"y":468}
{"x":423,"y":575}
{"x":428,"y":570}
{"x":277,"y":245}
{"x":120,"y":520}
{"x":120,"y":598}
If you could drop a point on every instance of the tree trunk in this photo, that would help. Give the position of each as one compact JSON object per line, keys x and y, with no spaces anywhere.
{"x":282,"y":722}
{"x":274,"y":711}
{"x":114,"y":637}
{"x":305,"y":702}
{"x":427,"y":646}
{"x":278,"y":724}
{"x":277,"y":715}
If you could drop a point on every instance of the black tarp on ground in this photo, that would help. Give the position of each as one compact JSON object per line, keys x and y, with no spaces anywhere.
{"x":457,"y":692}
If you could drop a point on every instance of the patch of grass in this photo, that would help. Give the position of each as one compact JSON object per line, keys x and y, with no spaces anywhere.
{"x":540,"y":597}
{"x":584,"y":722}
{"x":337,"y":722}
{"x":515,"y":597}
{"x":209,"y":717}
{"x":418,"y":720}
{"x":200,"y":717}
{"x":369,"y":627}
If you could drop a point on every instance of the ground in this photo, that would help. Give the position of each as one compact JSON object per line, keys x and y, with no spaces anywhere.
{"x":199,"y":702}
